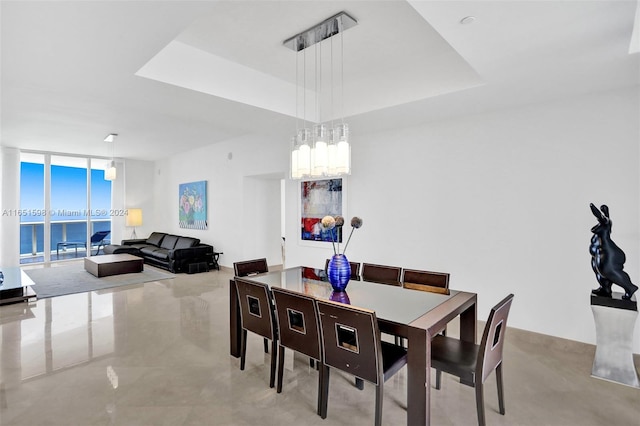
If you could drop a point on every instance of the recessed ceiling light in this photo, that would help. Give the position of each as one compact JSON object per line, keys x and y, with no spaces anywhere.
{"x":468,"y":20}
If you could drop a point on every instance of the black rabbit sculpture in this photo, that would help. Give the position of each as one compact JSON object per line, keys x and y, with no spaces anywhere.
{"x":607,"y":259}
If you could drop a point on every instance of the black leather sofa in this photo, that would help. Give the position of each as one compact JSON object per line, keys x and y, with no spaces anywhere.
{"x":172,"y":252}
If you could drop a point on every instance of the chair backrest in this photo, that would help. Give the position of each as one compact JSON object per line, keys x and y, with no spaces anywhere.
{"x":382,"y":274}
{"x":256,"y":308}
{"x":297,"y":319}
{"x":355,"y":269}
{"x":490,"y":354}
{"x":351,"y":340}
{"x":99,"y":236}
{"x":248,"y":267}
{"x":435,"y":282}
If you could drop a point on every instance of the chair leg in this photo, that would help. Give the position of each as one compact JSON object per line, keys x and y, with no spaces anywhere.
{"x":243,"y":348}
{"x":324,"y":374}
{"x":321,"y":381}
{"x":500,"y":388}
{"x":379,"y":395}
{"x":480,"y":402}
{"x":272,"y":374}
{"x":266,"y":345}
{"x":280,"y":368}
{"x":438,"y":379}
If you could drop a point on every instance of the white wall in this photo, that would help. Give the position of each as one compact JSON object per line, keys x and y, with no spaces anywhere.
{"x":243,"y":193}
{"x":261,"y":213}
{"x":139,"y":185}
{"x":501,"y":201}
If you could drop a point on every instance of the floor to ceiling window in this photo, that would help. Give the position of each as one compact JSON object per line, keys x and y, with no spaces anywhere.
{"x":63,"y":199}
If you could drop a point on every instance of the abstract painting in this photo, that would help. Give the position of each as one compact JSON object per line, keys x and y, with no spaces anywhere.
{"x":320,"y":198}
{"x":192,"y":205}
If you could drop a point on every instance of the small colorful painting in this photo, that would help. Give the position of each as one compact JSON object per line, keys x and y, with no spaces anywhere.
{"x":192,"y":205}
{"x":318,"y":199}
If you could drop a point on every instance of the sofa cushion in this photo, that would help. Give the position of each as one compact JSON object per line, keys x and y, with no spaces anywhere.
{"x":155,"y":238}
{"x":154,"y":252}
{"x":118,"y":249}
{"x":162,"y":254}
{"x":169,"y":242}
{"x":148,"y":250}
{"x":186,"y":242}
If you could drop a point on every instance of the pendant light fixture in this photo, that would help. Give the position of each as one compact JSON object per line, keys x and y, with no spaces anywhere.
{"x":323,"y":150}
{"x":110,"y":169}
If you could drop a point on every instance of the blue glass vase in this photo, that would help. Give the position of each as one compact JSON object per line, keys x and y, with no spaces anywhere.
{"x":340,"y":296}
{"x":339,"y":272}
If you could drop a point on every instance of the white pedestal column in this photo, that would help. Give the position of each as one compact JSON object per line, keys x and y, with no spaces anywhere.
{"x":615,"y":320}
{"x":9,"y":204}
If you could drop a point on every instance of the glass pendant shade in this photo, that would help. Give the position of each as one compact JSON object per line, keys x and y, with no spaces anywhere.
{"x":304,"y":153}
{"x":295,"y":151}
{"x":319,"y":154}
{"x":110,"y":171}
{"x":343,"y":150}
{"x":332,"y":154}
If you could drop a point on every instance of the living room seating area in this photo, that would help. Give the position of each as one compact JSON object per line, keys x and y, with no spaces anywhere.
{"x":172,"y":252}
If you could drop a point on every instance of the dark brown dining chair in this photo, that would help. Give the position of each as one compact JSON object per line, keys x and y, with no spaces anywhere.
{"x":435,"y":282}
{"x":298,"y":328}
{"x":473,"y":363}
{"x":382,"y":274}
{"x":252,"y":267}
{"x":355,"y":269}
{"x":257,"y":316}
{"x":351,"y":343}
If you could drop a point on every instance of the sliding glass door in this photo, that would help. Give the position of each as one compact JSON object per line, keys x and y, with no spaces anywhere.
{"x":32,"y":210}
{"x":64,"y":201}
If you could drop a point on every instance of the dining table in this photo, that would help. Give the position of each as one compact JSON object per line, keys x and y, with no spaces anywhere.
{"x":414,"y":315}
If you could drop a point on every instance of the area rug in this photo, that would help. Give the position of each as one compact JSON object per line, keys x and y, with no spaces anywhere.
{"x":69,"y":279}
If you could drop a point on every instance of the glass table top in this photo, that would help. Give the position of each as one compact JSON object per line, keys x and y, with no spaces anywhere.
{"x":391,"y":303}
{"x":14,"y":278}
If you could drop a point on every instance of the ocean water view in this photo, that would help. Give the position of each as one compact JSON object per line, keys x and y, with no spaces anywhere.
{"x":76,"y":231}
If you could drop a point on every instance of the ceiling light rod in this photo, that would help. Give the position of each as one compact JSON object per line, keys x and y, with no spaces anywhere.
{"x":324,"y":30}
{"x":111,"y":137}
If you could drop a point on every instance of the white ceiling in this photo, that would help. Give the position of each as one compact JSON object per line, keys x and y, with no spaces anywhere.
{"x":172,"y":76}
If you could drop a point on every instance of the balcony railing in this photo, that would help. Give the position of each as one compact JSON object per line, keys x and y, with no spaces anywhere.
{"x":32,"y":238}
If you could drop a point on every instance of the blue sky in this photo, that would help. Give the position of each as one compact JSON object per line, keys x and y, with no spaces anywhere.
{"x":68,"y":192}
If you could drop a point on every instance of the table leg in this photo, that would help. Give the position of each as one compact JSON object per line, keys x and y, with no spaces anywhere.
{"x":418,"y":377}
{"x":215,"y":258}
{"x":235,"y":333}
{"x":468,"y":323}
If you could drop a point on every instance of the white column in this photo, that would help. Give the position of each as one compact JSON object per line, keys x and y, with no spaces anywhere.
{"x":9,"y":204}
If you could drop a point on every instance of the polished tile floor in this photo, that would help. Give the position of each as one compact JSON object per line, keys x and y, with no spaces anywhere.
{"x":158,"y":354}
